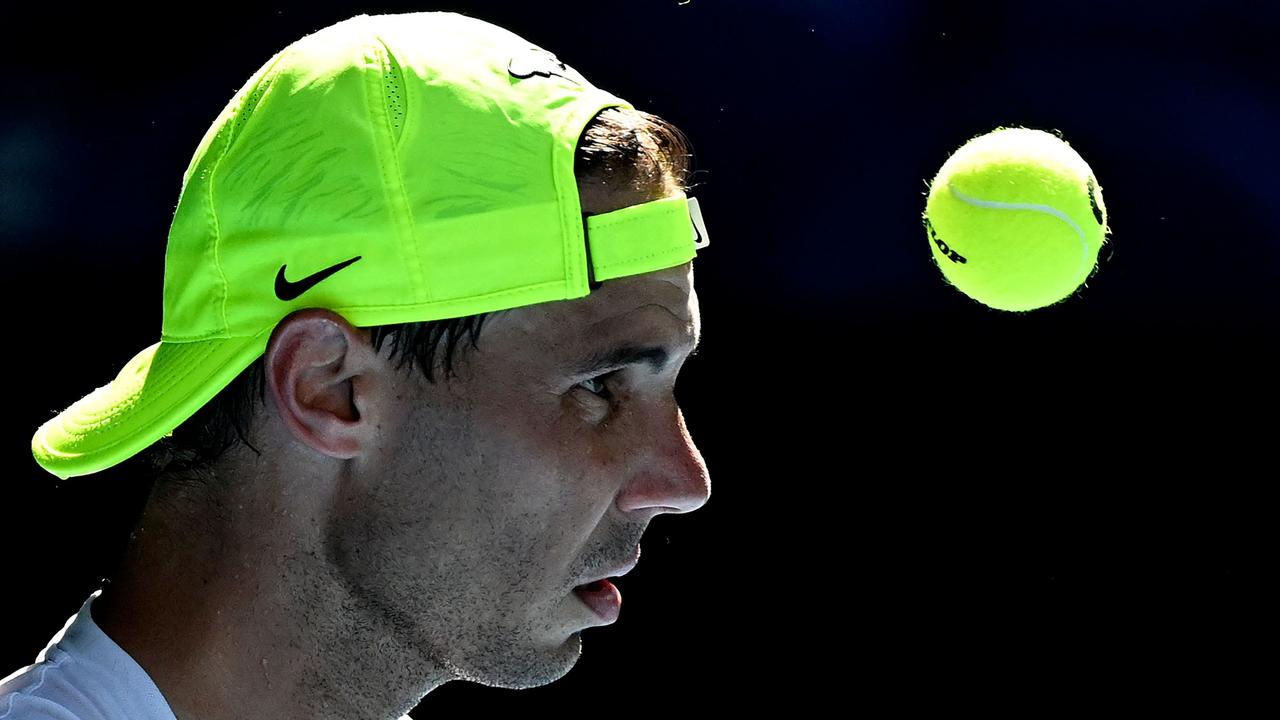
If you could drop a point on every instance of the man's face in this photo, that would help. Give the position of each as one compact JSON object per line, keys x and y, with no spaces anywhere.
{"x":525,"y":476}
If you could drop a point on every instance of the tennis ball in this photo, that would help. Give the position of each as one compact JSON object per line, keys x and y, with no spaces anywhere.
{"x":1015,"y":219}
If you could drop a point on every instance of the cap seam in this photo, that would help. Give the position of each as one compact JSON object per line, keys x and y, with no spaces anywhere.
{"x":674,"y":209}
{"x":402,"y":218}
{"x":569,"y":253}
{"x":639,"y":260}
{"x":267,"y":78}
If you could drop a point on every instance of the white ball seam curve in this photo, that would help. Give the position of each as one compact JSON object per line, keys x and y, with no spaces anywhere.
{"x":1084,"y":243}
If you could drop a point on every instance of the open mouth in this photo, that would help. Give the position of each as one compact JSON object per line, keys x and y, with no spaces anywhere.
{"x":602,"y":597}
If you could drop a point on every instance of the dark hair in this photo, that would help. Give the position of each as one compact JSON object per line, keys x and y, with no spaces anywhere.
{"x":620,"y":147}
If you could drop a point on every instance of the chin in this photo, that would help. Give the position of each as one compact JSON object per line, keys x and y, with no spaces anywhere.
{"x":518,"y":660}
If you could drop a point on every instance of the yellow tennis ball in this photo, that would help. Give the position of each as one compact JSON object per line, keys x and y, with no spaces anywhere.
{"x":1015,"y":219}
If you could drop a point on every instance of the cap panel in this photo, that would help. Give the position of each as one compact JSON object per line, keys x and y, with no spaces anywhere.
{"x":193,"y":281}
{"x":487,"y":157}
{"x":313,"y":189}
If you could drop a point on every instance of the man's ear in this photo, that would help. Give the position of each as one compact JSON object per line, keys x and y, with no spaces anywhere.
{"x":319,"y":373}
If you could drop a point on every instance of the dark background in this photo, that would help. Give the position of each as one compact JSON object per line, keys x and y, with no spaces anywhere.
{"x":917,"y":500}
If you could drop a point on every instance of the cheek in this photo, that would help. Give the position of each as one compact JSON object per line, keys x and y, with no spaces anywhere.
{"x":556,"y":444}
{"x":588,"y":432}
{"x":609,"y":436}
{"x":603,"y":454}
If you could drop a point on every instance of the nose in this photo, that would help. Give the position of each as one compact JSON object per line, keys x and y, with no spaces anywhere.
{"x":673,"y":476}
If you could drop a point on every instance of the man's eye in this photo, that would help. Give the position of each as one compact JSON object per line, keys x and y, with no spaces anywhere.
{"x":596,"y":385}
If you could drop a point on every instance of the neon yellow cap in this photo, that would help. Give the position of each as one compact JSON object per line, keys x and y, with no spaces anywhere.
{"x":392,"y":168}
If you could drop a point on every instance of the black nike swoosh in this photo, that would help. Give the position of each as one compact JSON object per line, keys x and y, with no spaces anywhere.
{"x":538,"y":62}
{"x":286,"y":290}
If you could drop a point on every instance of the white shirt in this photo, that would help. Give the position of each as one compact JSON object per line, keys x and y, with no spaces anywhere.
{"x":82,"y":674}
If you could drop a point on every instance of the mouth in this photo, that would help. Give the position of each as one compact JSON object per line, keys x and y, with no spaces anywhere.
{"x":602,"y":597}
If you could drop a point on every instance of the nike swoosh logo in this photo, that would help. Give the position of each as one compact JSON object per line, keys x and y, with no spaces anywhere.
{"x":536,"y":61}
{"x":700,"y":239}
{"x":286,"y":290}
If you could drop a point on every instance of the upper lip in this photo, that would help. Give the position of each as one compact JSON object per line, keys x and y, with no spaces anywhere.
{"x":618,"y":571}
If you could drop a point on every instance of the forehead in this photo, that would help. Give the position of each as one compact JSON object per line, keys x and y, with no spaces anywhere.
{"x":659,"y":307}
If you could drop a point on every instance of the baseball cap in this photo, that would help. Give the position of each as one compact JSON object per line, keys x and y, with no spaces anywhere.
{"x":392,"y":168}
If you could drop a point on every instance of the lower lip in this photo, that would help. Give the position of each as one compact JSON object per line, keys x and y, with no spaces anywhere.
{"x":603,"y":598}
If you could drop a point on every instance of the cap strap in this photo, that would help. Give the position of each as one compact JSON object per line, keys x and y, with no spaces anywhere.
{"x":642,"y":238}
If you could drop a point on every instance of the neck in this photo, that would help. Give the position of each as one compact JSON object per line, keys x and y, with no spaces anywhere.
{"x":261,"y":624}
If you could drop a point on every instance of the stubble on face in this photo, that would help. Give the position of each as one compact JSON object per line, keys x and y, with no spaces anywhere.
{"x":501,"y":488}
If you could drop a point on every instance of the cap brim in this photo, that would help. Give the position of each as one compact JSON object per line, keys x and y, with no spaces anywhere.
{"x":155,"y":392}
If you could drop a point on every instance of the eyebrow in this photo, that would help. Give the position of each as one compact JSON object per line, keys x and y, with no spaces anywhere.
{"x":655,"y":356}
